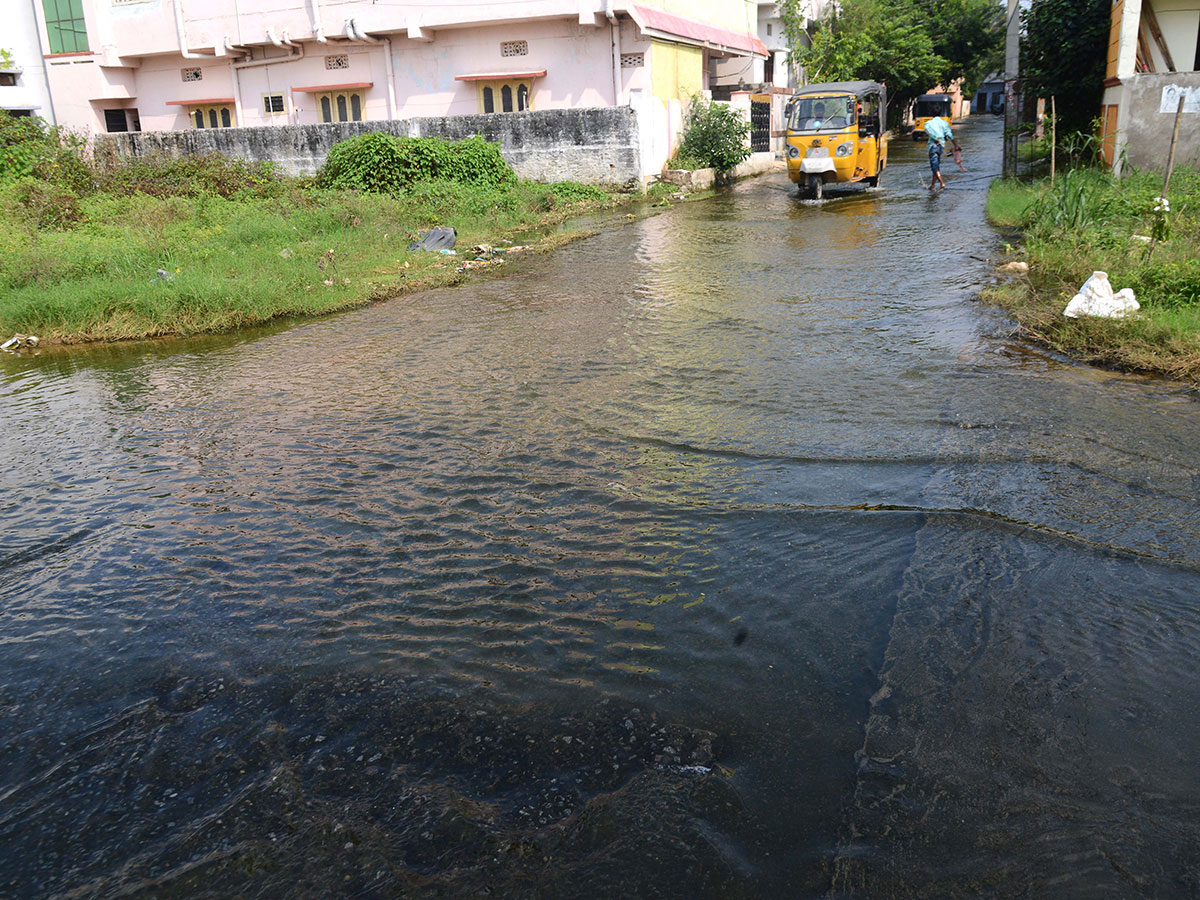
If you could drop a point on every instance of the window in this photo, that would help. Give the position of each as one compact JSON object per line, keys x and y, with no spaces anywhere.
{"x":8,"y":79}
{"x":341,"y":106}
{"x":192,"y":74}
{"x":341,"y":61}
{"x":273,"y":104}
{"x":632,"y":60}
{"x":65,"y":26}
{"x":768,"y":29}
{"x":212,"y":116}
{"x":114,"y":120}
{"x":504,"y":96}
{"x":514,"y":48}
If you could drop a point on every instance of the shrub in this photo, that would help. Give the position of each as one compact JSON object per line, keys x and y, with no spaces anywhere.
{"x":31,"y":149}
{"x":715,"y":135}
{"x":385,"y":164}
{"x":574,"y":192}
{"x":47,"y":204}
{"x":191,"y":176}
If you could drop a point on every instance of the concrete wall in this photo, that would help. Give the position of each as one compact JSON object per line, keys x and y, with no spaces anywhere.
{"x":595,"y":146}
{"x":1146,"y":130}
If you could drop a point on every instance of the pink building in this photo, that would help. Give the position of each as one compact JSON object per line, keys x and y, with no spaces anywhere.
{"x":157,"y":65}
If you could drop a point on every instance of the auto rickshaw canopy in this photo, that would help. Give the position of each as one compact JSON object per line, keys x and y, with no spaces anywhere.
{"x":857,"y":88}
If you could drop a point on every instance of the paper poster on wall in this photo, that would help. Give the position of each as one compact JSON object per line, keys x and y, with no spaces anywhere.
{"x":1170,"y":99}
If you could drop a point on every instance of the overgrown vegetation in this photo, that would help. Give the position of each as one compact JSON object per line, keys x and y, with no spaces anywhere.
{"x":909,"y":44}
{"x":1089,"y":220}
{"x":386,"y":164}
{"x":714,"y":136}
{"x":1063,"y":53}
{"x":165,"y":245}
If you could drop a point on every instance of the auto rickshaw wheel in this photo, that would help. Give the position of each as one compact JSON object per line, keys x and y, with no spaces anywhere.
{"x":812,"y":190}
{"x":872,"y":181}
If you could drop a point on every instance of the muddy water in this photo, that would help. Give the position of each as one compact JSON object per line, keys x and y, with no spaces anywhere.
{"x":737,"y":552}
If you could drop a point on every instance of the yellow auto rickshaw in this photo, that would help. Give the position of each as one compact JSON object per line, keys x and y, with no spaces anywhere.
{"x":836,"y":134}
{"x":929,"y":106}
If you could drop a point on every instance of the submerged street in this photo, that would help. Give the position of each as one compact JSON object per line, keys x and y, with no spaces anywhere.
{"x":737,"y":552}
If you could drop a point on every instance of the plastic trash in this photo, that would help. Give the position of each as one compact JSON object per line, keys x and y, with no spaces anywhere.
{"x":1096,"y":298}
{"x":438,"y":238}
{"x":20,"y":342}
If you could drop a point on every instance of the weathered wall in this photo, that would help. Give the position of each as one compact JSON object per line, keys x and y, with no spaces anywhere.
{"x":1147,"y":130}
{"x":595,"y":146}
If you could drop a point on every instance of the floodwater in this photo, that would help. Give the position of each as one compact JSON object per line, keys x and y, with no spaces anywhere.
{"x":737,"y":552}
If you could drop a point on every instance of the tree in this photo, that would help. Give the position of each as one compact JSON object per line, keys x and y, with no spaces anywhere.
{"x":968,"y":35}
{"x":874,"y":40}
{"x":911,"y":45}
{"x":1063,"y":53}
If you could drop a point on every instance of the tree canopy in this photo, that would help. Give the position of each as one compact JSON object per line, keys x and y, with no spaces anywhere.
{"x":1063,"y":52}
{"x":910,"y":45}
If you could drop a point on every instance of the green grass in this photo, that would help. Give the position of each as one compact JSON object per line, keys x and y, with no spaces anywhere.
{"x":1087,"y":221}
{"x":244,"y":259}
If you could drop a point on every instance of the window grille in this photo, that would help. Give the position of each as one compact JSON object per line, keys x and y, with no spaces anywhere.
{"x":632,"y":60}
{"x":341,"y":61}
{"x":272,"y":103}
{"x":514,"y":48}
{"x":192,"y":74}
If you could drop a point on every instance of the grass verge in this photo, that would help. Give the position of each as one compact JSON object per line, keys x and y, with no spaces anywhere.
{"x":1088,"y":221}
{"x":229,"y":262}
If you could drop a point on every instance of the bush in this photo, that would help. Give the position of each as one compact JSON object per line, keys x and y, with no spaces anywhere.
{"x":47,"y":204}
{"x":382,"y":163}
{"x":191,"y":176}
{"x":31,"y":149}
{"x":574,"y":192}
{"x":715,"y":135}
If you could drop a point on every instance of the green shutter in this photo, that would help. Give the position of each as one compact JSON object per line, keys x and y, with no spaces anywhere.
{"x":65,"y":26}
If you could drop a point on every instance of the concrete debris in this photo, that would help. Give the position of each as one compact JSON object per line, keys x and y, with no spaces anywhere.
{"x":163,"y":275}
{"x":286,"y":253}
{"x":439,"y":238}
{"x":1140,"y":238}
{"x":1096,"y":298}
{"x":20,"y":342}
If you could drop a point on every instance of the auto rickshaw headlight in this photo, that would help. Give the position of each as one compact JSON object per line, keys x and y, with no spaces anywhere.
{"x":793,"y":151}
{"x":844,"y":149}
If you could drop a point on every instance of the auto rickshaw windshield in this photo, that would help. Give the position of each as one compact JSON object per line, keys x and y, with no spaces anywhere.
{"x":822,"y":113}
{"x":927,"y":108}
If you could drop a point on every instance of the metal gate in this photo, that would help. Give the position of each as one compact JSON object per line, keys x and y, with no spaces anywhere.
{"x":760,"y":126}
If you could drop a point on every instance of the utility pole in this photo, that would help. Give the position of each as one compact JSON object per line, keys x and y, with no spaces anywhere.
{"x":1012,"y":63}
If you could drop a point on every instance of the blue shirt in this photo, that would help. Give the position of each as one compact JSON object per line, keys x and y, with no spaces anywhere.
{"x":937,"y":130}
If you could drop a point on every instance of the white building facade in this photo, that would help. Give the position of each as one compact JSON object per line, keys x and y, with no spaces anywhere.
{"x":115,"y":65}
{"x":23,"y":87}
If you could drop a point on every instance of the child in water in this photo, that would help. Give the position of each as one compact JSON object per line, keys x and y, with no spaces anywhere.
{"x":956,"y":152}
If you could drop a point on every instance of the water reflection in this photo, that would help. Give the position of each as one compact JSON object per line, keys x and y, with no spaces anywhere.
{"x":749,"y":500}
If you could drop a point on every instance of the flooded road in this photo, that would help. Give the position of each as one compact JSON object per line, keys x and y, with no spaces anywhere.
{"x":735,"y":553}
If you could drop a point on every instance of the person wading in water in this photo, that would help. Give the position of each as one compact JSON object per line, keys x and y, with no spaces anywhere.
{"x":938,"y":133}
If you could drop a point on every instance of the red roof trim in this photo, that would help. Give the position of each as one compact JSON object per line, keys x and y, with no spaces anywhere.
{"x":647,"y":17}
{"x":500,"y":76}
{"x":320,"y":88}
{"x":204,"y":102}
{"x":61,"y":55}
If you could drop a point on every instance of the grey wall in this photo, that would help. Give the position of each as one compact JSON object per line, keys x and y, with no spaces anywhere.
{"x":595,"y":146}
{"x":1147,"y":137}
